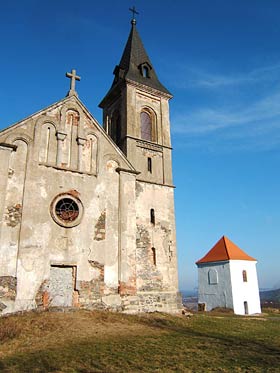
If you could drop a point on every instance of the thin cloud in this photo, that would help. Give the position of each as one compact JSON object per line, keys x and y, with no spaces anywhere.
{"x":253,"y":127}
{"x":197,"y":78}
{"x":243,"y":111}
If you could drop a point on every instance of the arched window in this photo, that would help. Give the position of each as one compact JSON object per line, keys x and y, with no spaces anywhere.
{"x":212,"y":276}
{"x":48,"y":144}
{"x":150,"y":164}
{"x":72,"y":120}
{"x":244,"y":275}
{"x":145,"y":72}
{"x":115,"y":132}
{"x":154,"y":256}
{"x":152,"y":216}
{"x":146,"y":126}
{"x":145,"y":69}
{"x":246,"y":310}
{"x":89,"y":154}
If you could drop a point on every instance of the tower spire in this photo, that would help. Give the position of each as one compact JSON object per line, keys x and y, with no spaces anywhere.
{"x":135,"y":66}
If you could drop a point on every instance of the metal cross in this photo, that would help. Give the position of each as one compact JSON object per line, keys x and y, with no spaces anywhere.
{"x":73,"y":78}
{"x":133,"y":11}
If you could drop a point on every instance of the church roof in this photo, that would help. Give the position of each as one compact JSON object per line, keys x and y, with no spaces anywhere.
{"x":224,"y":250}
{"x":134,"y":59}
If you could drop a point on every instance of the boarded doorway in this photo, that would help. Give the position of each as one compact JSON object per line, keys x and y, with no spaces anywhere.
{"x":62,"y":282}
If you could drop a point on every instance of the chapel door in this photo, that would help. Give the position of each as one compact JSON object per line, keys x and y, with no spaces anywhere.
{"x":61,"y":286}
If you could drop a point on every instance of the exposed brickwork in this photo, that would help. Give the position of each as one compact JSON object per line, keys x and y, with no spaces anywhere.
{"x":8,"y":287}
{"x":100,"y":227}
{"x":74,"y":193}
{"x":42,"y":296}
{"x":151,"y":278}
{"x":128,"y":288}
{"x":72,"y":117}
{"x":90,"y":292}
{"x":13,"y":215}
{"x":2,"y":306}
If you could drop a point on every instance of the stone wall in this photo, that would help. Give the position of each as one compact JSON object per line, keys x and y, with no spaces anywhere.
{"x":153,"y":302}
{"x":8,"y":289}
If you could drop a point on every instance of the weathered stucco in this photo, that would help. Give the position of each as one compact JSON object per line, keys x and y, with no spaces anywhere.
{"x":86,"y":213}
{"x":62,"y":151}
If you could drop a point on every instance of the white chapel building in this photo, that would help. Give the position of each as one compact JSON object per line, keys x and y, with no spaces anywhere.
{"x":227,"y":277}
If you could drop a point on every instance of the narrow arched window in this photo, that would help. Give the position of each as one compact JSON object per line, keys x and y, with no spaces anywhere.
{"x":48,"y":144}
{"x":146,"y":126}
{"x":145,"y":71}
{"x":244,"y":275}
{"x":152,"y":216}
{"x":150,"y":164}
{"x":118,"y":130}
{"x":154,"y":256}
{"x":115,"y":131}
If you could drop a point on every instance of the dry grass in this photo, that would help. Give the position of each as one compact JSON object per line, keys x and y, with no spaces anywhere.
{"x":87,"y":341}
{"x":9,"y":329}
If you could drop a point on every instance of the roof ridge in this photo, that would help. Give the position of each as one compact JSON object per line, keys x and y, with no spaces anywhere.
{"x":225,"y":245}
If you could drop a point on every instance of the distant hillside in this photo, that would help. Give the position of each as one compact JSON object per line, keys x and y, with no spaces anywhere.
{"x":270,"y":295}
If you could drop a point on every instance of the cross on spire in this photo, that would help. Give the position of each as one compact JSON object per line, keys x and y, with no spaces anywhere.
{"x":133,"y":11}
{"x":73,"y":78}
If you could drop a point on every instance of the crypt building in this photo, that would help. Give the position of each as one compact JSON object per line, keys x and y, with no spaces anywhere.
{"x":87,"y":212}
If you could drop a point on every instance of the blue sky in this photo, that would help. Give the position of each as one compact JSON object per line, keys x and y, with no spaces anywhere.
{"x":221,"y":61}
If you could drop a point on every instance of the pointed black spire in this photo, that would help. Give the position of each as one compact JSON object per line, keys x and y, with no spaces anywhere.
{"x":135,"y":63}
{"x":135,"y":66}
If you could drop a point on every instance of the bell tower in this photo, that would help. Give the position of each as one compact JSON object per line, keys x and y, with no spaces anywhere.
{"x":136,"y":116}
{"x":136,"y":113}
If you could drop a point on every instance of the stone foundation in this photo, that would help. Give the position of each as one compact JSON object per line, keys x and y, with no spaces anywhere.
{"x":90,"y":295}
{"x":8,"y":287}
{"x":153,"y":302}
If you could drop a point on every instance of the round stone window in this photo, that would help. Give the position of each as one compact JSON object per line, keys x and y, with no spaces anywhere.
{"x":67,"y":210}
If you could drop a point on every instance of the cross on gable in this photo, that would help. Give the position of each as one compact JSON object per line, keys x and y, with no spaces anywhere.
{"x":73,"y":78}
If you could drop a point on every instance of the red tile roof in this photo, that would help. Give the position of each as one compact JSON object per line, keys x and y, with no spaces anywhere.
{"x":223,"y":250}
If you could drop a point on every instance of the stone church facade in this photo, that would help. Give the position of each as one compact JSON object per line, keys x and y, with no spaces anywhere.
{"x":87,"y":213}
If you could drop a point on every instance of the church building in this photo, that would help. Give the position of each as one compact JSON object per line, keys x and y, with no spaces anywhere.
{"x":227,"y":278}
{"x":87,"y":212}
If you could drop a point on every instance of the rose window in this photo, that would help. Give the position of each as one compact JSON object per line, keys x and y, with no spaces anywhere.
{"x":67,"y":210}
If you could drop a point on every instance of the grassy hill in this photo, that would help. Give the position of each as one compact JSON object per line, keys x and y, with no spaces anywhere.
{"x":270,"y":295}
{"x":85,"y":341}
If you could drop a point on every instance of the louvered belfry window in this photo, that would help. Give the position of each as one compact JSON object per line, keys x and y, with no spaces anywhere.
{"x":146,"y":126}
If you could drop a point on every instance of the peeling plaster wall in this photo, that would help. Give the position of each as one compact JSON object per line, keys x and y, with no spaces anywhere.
{"x":13,"y":209}
{"x":162,"y":236}
{"x":31,"y":241}
{"x":109,"y":251}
